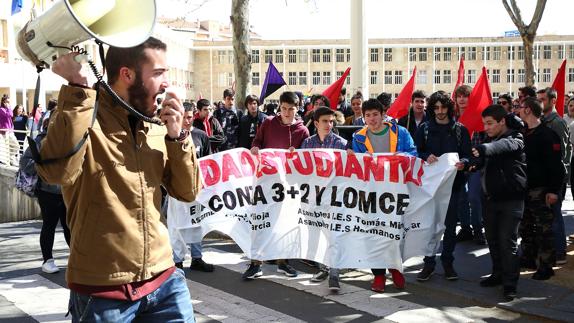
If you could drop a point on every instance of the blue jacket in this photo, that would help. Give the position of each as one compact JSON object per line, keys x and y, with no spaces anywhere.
{"x":401,"y":140}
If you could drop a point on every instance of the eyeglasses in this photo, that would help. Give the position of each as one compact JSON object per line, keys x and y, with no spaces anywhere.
{"x":503,"y":102}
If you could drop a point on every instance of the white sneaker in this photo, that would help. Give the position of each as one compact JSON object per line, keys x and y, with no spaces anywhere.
{"x":50,"y":267}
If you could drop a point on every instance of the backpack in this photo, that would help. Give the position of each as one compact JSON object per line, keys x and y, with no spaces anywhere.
{"x":26,"y":177}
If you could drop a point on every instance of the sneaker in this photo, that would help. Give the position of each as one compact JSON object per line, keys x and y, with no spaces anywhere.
{"x":199,"y":264}
{"x":252,"y":272}
{"x":425,"y":274}
{"x":561,"y":259}
{"x":509,"y":293}
{"x":179,"y":265}
{"x":491,"y":281}
{"x":378,"y":284}
{"x":449,"y":272}
{"x":50,"y":267}
{"x":528,"y":263}
{"x":479,"y":238}
{"x":543,"y":273}
{"x":286,"y":270}
{"x":398,"y":278}
{"x":334,"y":283}
{"x":320,"y":276}
{"x":465,"y":234}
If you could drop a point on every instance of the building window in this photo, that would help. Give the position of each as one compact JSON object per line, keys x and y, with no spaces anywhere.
{"x":225,"y":79}
{"x":571,"y":75}
{"x":495,"y":76}
{"x":340,"y":55}
{"x":398,"y":77}
{"x":221,"y":56}
{"x":388,"y":77}
{"x":446,"y":76}
{"x":520,"y":77}
{"x":316,"y":56}
{"x":422,"y":54}
{"x":520,"y":52}
{"x":326,"y":55}
{"x":302,"y":78}
{"x":255,"y":78}
{"x":437,"y":54}
{"x":495,"y":96}
{"x":374,"y":54}
{"x":348,"y":55}
{"x":496,"y":53}
{"x":536,"y":52}
{"x":292,"y":78}
{"x":316,"y":78}
{"x":471,"y":76}
{"x":230,"y":57}
{"x":255,"y":56}
{"x":509,"y":52}
{"x":292,"y":56}
{"x":412,"y":54}
{"x":471,"y":54}
{"x":570,"y":51}
{"x":486,"y":53}
{"x":340,"y":74}
{"x":546,"y":75}
{"x":447,"y":54}
{"x":437,"y":76}
{"x":560,"y":50}
{"x":278,"y":56}
{"x":388,"y":54}
{"x":461,"y":52}
{"x":510,"y":75}
{"x":374,"y":77}
{"x":421,"y":77}
{"x":303,"y":55}
{"x":268,"y":55}
{"x":326,"y":78}
{"x":547,"y":52}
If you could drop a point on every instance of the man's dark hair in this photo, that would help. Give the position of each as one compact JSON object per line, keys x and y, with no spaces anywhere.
{"x":534,"y":106}
{"x":551,"y":93}
{"x":323,"y":98}
{"x":444,"y":99}
{"x":250,"y":98}
{"x":322,"y":111}
{"x":357,"y":95}
{"x":528,"y":91}
{"x":228,"y":92}
{"x":373,"y":104}
{"x":299,"y":95}
{"x":52,"y":104}
{"x":385,"y":99}
{"x":202,"y":103}
{"x":507,"y":97}
{"x":496,"y":111}
{"x":131,"y":57}
{"x":418,"y":94}
{"x":343,"y":91}
{"x":463,"y":90}
{"x":188,"y":107}
{"x":289,"y":98}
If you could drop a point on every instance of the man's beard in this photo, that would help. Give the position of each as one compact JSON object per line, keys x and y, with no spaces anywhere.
{"x":138,"y":95}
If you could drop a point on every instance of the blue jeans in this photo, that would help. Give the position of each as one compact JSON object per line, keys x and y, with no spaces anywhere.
{"x":195,"y":249}
{"x":475,"y":200}
{"x":171,"y":302}
{"x":449,"y":239}
{"x":558,"y":226}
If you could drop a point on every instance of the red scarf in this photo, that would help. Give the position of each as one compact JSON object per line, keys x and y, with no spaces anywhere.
{"x":206,"y":125}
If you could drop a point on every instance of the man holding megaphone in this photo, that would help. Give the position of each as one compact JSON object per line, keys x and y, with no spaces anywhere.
{"x":120,"y":266}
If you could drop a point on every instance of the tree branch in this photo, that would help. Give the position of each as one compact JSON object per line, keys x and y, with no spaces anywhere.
{"x":517,"y":12}
{"x":518,"y":23}
{"x":537,"y":17}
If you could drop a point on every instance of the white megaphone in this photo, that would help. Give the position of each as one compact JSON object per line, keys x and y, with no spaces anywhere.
{"x":118,"y":23}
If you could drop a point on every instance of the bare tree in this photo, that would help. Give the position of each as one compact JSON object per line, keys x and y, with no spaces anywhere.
{"x":242,"y":67}
{"x":527,"y":33}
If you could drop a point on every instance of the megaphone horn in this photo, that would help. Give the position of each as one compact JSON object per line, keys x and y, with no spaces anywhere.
{"x":118,"y":23}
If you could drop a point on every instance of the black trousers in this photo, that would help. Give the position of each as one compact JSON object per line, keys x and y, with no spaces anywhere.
{"x":53,"y":210}
{"x":501,"y":222}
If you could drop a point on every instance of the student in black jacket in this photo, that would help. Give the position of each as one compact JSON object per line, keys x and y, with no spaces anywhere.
{"x":250,"y":122}
{"x":502,"y":161}
{"x":417,"y":115}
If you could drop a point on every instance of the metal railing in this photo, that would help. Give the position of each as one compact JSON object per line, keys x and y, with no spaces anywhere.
{"x":11,"y":149}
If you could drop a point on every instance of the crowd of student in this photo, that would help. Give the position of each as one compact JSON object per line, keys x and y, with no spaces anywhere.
{"x":510,"y":183}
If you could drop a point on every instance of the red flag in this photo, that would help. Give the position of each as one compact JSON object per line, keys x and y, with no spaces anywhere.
{"x":334,"y":90}
{"x":400,"y":107}
{"x":559,"y":86}
{"x":479,"y":99}
{"x":460,"y":77}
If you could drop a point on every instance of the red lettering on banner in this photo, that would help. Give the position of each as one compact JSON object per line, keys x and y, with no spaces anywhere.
{"x":323,"y":163}
{"x":284,"y":157}
{"x":338,"y":163}
{"x":229,"y":168}
{"x":269,"y":167}
{"x":394,"y":162}
{"x":247,"y":164}
{"x":377,"y":169}
{"x":297,"y":163}
{"x":210,"y":170}
{"x":353,"y":167}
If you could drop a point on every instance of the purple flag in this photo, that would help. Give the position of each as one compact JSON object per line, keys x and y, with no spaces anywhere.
{"x":273,"y":81}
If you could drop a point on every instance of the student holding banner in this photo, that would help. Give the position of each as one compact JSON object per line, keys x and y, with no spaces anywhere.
{"x":379,"y":136}
{"x":323,"y":119}
{"x":283,"y":131}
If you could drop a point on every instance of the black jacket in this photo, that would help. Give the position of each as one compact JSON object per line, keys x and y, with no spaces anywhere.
{"x":217,"y":136}
{"x":437,"y":139}
{"x":410,"y":123}
{"x":544,"y":160}
{"x":503,"y":164}
{"x":248,"y":126}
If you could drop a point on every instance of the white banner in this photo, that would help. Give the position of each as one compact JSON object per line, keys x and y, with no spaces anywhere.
{"x":342,"y":210}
